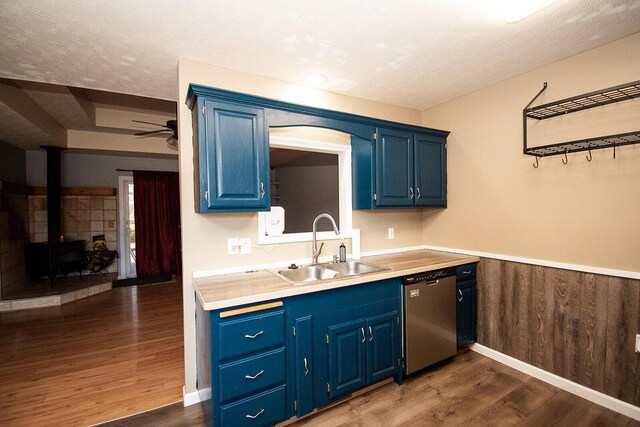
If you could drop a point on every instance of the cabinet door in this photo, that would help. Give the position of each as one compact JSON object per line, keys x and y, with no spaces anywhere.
{"x":236,"y":176}
{"x":304,"y":365}
{"x":347,"y":368}
{"x":382,"y":346}
{"x":466,"y":310}
{"x":430,"y":165}
{"x":394,"y":168}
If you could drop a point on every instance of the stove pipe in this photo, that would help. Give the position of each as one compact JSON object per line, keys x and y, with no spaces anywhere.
{"x":54,"y":190}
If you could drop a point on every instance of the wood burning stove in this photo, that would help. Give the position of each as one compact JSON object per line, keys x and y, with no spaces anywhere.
{"x":55,"y":256}
{"x":46,"y":259}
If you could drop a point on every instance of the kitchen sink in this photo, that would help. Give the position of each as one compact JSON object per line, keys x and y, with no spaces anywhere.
{"x":317,"y":272}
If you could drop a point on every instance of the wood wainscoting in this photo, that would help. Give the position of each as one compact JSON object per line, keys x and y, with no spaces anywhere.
{"x":580,"y":326}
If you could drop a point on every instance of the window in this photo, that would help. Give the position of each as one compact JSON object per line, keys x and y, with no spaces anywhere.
{"x":301,"y":168}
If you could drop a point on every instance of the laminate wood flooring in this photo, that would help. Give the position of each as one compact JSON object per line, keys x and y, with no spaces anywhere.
{"x":468,"y":390}
{"x":111,"y":355}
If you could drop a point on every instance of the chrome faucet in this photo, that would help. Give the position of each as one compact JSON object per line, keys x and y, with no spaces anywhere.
{"x":316,"y":249}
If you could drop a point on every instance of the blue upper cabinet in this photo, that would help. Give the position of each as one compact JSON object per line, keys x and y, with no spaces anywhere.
{"x":233,"y":157}
{"x":394,"y":168}
{"x":399,"y":169}
{"x":394,"y":165}
{"x":430,"y":169}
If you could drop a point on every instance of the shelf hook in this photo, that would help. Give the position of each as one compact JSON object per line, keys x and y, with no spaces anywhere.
{"x":565,"y":160}
{"x":536,"y":165}
{"x":589,"y":157}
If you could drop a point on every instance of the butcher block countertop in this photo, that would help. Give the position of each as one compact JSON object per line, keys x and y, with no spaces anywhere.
{"x":229,"y":290}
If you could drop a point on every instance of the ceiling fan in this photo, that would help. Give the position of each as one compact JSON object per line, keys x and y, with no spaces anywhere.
{"x":171,"y":126}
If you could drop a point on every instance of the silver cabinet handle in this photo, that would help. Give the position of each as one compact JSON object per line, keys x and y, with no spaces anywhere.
{"x":370,"y":334}
{"x":417,"y":193}
{"x":253,"y":377}
{"x":262,"y":193}
{"x":253,"y":417}
{"x":306,"y":368}
{"x":363,"y":337}
{"x":466,"y":272}
{"x":460,"y":292}
{"x":411,"y":192}
{"x":254,"y":336}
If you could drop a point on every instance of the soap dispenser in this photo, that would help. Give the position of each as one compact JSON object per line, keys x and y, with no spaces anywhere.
{"x":343,"y":252}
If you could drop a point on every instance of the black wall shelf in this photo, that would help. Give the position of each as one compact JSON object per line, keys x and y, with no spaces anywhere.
{"x":582,"y":102}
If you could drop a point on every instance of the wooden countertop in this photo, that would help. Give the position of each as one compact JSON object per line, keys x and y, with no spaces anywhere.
{"x":229,"y":290}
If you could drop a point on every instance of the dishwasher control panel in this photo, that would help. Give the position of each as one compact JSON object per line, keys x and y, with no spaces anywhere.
{"x":428,"y":276}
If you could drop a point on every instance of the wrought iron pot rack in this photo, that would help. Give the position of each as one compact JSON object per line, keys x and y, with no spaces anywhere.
{"x":586,"y":101}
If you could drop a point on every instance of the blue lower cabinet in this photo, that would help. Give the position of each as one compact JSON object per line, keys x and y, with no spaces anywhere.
{"x":264,"y":409}
{"x":466,"y":305}
{"x":347,"y":357}
{"x":363,"y":352}
{"x":303,"y":366}
{"x":251,"y":334}
{"x":383,"y":359}
{"x":252,"y":374}
{"x":271,"y":364}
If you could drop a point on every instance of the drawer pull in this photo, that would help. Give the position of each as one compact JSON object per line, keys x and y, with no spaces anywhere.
{"x":257,"y":334}
{"x":253,"y":417}
{"x":466,"y":272}
{"x":370,"y":334}
{"x":363,"y":337}
{"x":460,"y":292}
{"x":250,"y":377}
{"x":306,"y":368}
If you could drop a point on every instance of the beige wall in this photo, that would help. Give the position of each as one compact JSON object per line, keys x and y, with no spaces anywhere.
{"x":204,"y":236}
{"x":580,"y":213}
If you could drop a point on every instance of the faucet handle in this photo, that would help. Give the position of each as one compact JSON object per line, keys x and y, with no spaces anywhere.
{"x":335,"y":258}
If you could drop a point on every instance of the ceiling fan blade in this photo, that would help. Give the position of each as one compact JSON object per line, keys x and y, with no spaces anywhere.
{"x":149,"y":123}
{"x":151,"y":132}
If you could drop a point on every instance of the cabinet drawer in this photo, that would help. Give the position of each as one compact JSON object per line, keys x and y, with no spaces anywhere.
{"x":251,"y":334}
{"x":250,"y":375}
{"x":467,"y":271}
{"x":265,"y":409}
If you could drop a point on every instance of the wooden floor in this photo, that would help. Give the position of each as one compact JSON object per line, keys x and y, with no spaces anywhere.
{"x":89,"y":361}
{"x":469,"y":390}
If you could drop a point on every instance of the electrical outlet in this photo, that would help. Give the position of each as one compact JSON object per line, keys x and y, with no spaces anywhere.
{"x":391,"y":233}
{"x":237,"y":246}
{"x":637,"y":343}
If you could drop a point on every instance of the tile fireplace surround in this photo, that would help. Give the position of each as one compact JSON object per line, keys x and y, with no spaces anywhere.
{"x":82,"y":218}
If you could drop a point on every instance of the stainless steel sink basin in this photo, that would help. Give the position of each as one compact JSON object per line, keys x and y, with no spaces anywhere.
{"x":312,"y":273}
{"x":354,"y":268}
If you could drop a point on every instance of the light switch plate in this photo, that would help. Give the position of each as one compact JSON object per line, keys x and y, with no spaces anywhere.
{"x":391,"y":233}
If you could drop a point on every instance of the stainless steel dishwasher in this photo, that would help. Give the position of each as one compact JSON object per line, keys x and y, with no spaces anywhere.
{"x":429,"y":306}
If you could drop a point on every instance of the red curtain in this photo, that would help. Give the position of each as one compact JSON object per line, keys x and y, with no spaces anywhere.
{"x":156,"y":198}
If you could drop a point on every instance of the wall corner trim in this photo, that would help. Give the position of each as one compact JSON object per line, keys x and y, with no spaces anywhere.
{"x":594,"y":396}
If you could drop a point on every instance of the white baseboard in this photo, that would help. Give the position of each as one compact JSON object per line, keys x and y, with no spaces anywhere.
{"x":193,"y":398}
{"x":594,"y":396}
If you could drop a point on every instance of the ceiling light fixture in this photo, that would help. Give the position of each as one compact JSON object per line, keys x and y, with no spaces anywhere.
{"x":513,"y":11}
{"x":315,"y":79}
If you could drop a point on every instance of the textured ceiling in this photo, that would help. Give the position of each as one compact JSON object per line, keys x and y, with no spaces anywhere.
{"x":412,"y":53}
